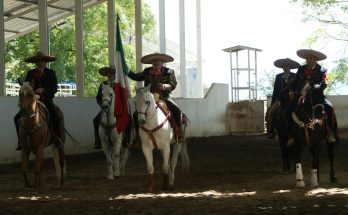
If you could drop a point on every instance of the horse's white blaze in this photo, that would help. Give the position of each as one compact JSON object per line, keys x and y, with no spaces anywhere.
{"x":111,"y":140}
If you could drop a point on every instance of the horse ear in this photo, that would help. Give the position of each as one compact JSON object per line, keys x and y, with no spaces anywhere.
{"x":20,"y":82}
{"x":148,"y":88}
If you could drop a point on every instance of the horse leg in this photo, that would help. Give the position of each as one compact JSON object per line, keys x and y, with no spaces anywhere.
{"x":165,"y":166}
{"x":299,"y":175}
{"x":38,"y":166}
{"x":62,"y":166}
{"x":331,"y":154}
{"x":315,"y":151}
{"x":173,"y":162}
{"x":109,"y":161}
{"x":25,"y":160}
{"x":285,"y":152}
{"x":117,"y":156}
{"x":147,"y":151}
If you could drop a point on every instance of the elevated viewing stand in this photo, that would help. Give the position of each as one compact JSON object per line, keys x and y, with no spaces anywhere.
{"x":244,"y":114}
{"x":243,"y":65}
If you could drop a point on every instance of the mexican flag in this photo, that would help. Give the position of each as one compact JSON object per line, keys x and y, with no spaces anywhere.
{"x":121,"y":85}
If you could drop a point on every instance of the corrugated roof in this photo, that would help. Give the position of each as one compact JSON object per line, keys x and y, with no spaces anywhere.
{"x":22,"y":16}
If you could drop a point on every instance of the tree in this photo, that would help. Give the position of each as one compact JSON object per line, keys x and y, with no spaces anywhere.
{"x":62,"y":44}
{"x":332,"y":19}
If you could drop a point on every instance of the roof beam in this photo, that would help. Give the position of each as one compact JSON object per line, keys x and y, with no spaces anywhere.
{"x":11,"y":31}
{"x":51,"y":6}
{"x":32,"y":9}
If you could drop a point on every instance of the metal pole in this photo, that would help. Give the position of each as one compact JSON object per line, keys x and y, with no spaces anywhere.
{"x":199,"y":80}
{"x":256,"y":74}
{"x":43,"y":27}
{"x":138,"y":39}
{"x":231,"y":68}
{"x":249,"y":74}
{"x":162,"y":25}
{"x":2,"y":51}
{"x":111,"y":33}
{"x":182,"y":48}
{"x":79,"y":47}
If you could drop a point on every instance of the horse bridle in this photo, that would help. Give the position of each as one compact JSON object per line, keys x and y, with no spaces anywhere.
{"x":312,"y":120}
{"x":109,"y":104}
{"x":150,"y":132}
{"x":148,"y":103}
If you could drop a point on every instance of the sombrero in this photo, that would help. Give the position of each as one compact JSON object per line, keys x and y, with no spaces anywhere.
{"x":306,"y":53}
{"x":40,"y":56}
{"x":280,"y":63}
{"x":104,"y":71}
{"x":147,"y":59}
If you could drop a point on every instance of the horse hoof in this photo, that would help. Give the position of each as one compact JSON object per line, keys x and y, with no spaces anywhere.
{"x":110,"y":177}
{"x":300,"y":184}
{"x":333,"y":180}
{"x":151,"y":190}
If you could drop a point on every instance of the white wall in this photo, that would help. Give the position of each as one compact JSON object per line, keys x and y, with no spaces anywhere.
{"x":207,"y":116}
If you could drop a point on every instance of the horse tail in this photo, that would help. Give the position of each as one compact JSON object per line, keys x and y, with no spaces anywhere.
{"x":185,"y":159}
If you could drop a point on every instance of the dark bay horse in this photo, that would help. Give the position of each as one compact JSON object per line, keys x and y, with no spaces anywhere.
{"x":310,"y":130}
{"x":280,"y":122}
{"x":35,"y":134}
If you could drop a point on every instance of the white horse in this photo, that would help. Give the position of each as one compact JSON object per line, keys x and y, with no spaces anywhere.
{"x":156,"y":133}
{"x":116,"y":155}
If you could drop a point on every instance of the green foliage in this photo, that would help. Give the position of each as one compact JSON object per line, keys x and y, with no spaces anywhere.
{"x":332,"y":16}
{"x":266,"y":83}
{"x":62,"y":44}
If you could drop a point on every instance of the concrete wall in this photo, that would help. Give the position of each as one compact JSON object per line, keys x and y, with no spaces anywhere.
{"x":207,"y":116}
{"x":246,"y":117}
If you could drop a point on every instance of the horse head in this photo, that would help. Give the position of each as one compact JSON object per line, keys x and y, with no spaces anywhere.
{"x":107,"y":97}
{"x":27,"y":97}
{"x":144,"y":103}
{"x":311,"y":105}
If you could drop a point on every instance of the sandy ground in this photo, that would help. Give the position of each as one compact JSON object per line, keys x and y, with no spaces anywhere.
{"x":229,"y":175}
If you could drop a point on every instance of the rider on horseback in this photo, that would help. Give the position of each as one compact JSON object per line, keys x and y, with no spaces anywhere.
{"x":45,"y":85}
{"x":109,"y":72}
{"x":317,"y":75}
{"x":163,"y":82}
{"x":281,"y":84}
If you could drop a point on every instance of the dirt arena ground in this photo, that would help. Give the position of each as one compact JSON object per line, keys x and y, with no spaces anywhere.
{"x":229,"y":175}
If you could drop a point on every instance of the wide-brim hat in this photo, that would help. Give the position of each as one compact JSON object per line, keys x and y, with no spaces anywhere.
{"x":148,"y":59}
{"x":306,"y":53}
{"x":40,"y":56}
{"x":105,"y":71}
{"x":280,"y":63}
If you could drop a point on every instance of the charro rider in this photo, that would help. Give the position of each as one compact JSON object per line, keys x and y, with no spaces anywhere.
{"x":45,"y":85}
{"x":282,"y":82}
{"x":108,"y":72}
{"x":316,"y":74}
{"x":163,"y":82}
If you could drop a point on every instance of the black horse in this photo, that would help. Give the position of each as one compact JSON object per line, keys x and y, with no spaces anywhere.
{"x":310,"y":130}
{"x":280,"y":122}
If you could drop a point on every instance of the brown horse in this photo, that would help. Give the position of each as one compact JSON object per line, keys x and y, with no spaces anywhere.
{"x":280,"y":122}
{"x":311,"y":130}
{"x":35,"y":134}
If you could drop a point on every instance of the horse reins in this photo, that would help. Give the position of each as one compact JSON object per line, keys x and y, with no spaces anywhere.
{"x":150,"y":132}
